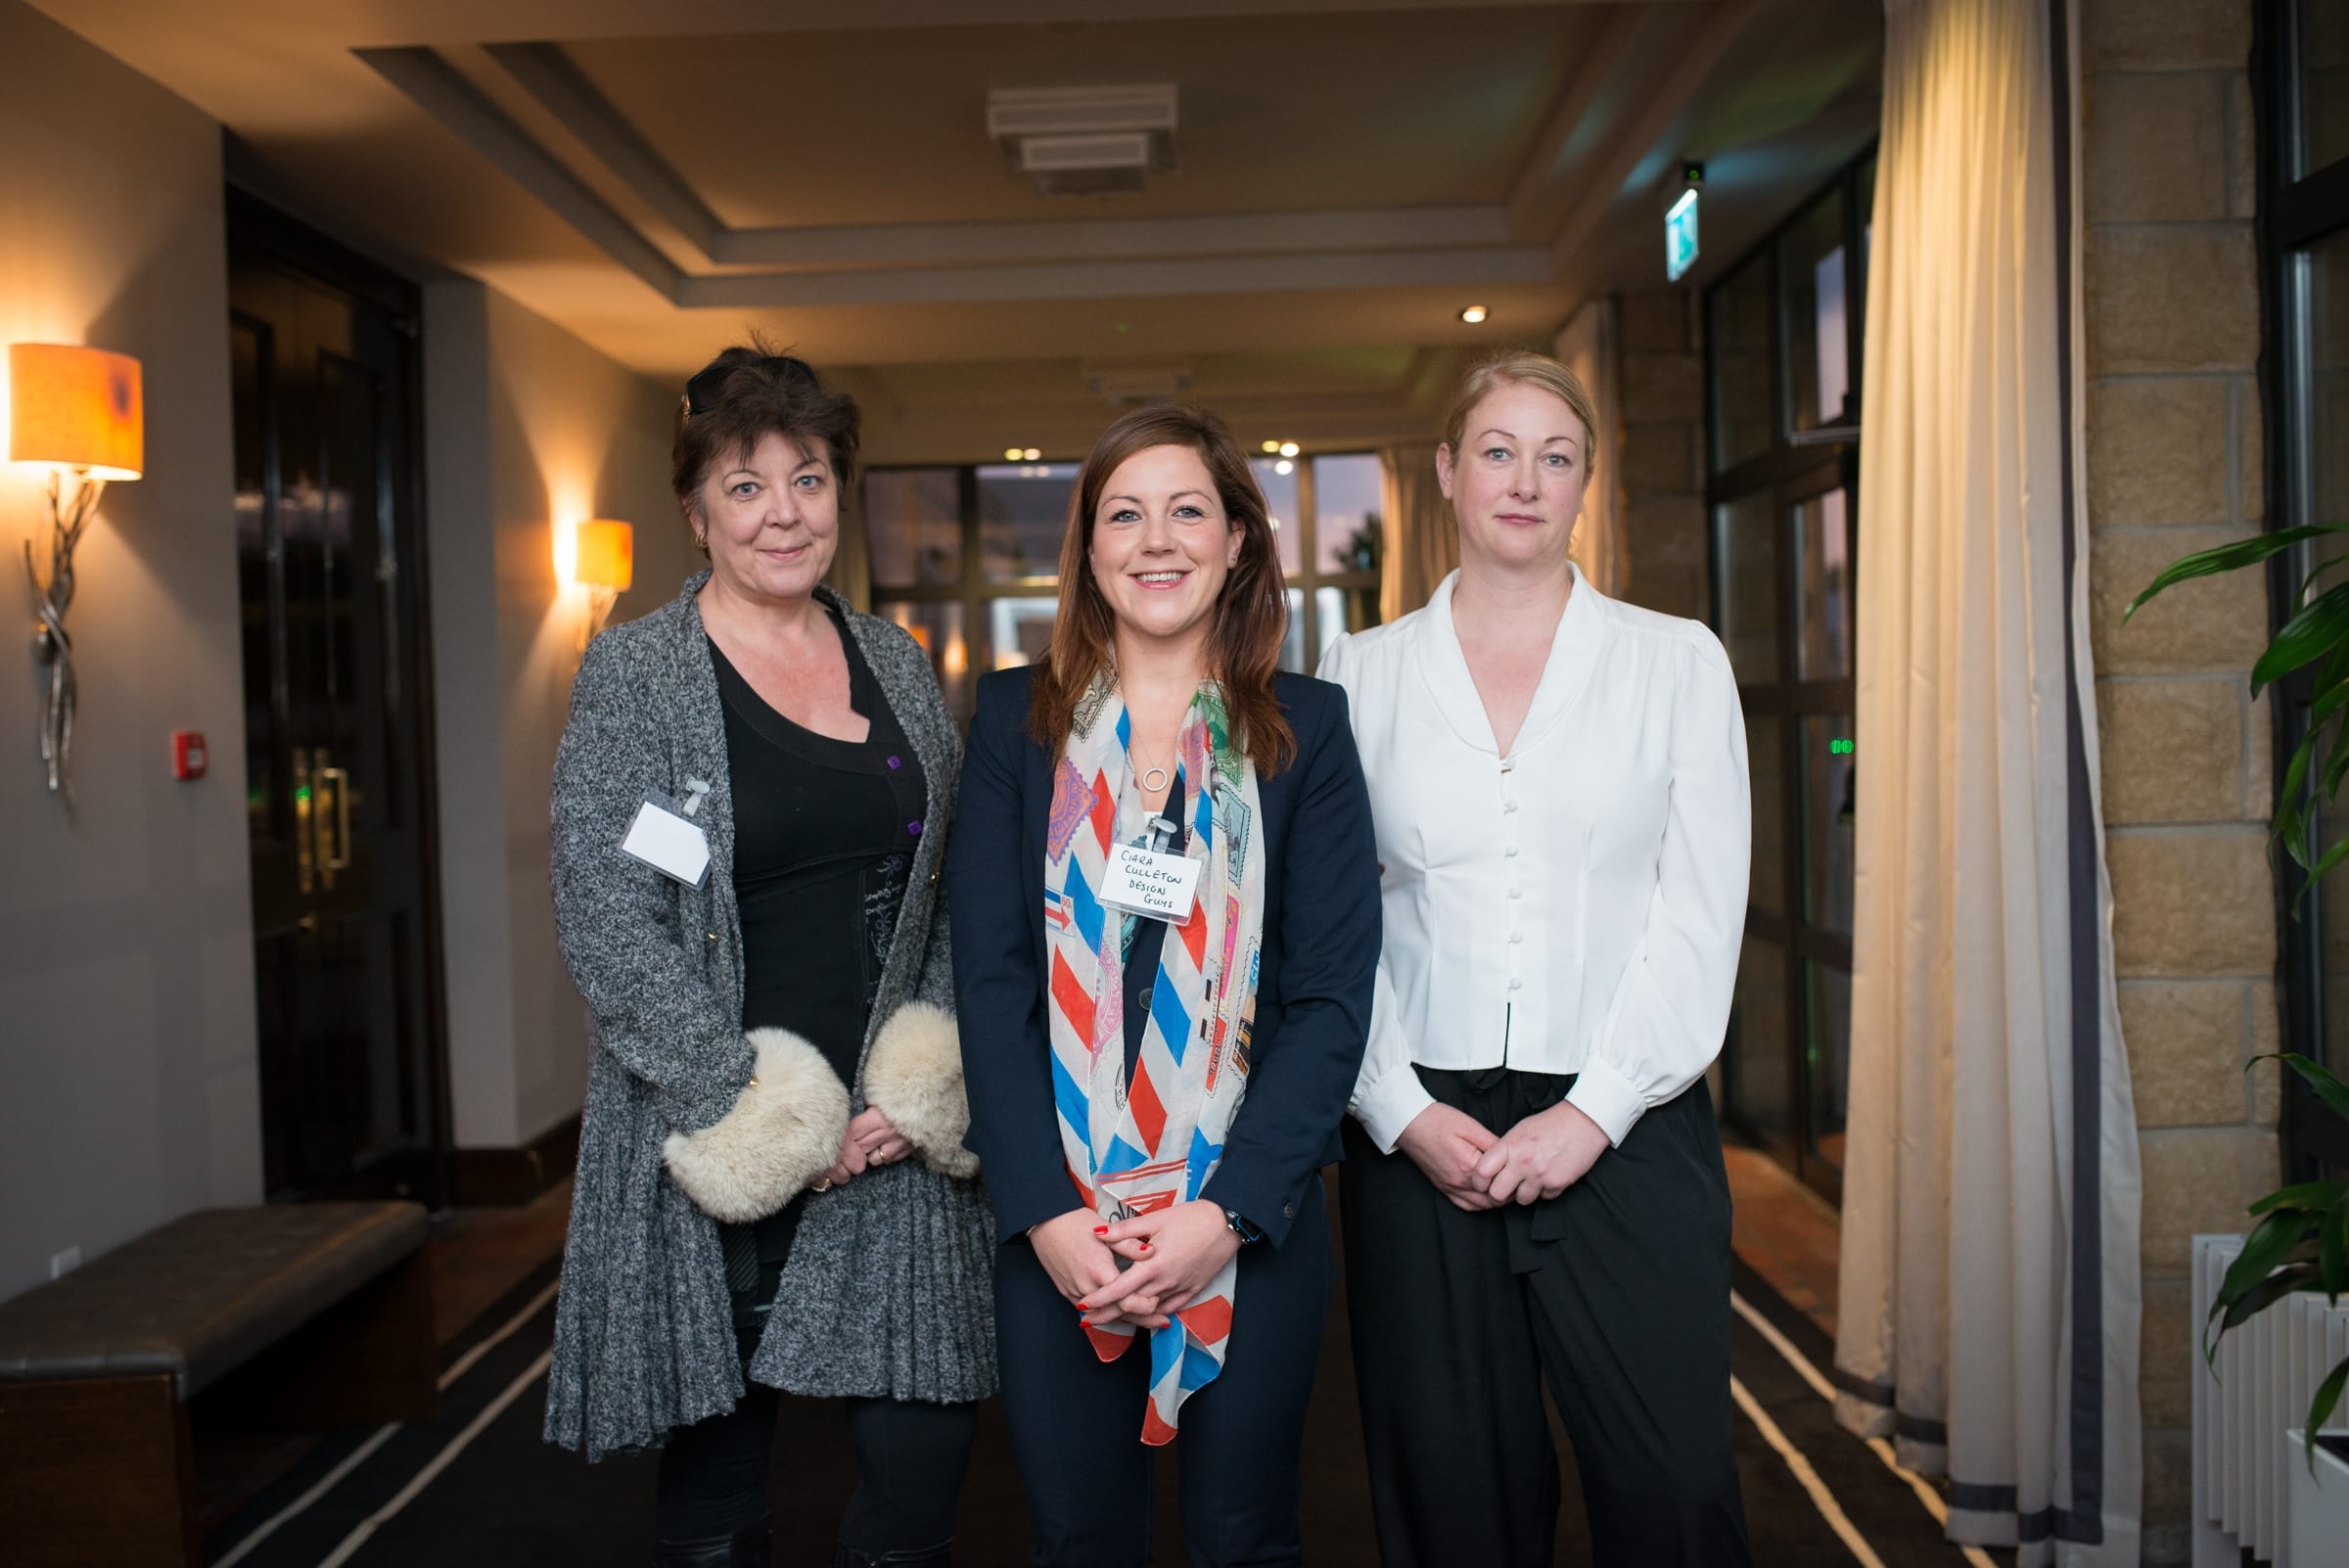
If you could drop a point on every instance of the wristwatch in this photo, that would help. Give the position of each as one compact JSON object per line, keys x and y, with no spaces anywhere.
{"x":1239,"y":1226}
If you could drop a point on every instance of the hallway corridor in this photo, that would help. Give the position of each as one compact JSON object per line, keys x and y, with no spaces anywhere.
{"x":477,"y":1487}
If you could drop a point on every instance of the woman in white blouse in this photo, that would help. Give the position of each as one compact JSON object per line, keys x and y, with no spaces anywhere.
{"x":1533,"y":1184}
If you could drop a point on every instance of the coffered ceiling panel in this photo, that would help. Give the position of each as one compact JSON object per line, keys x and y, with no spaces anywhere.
{"x":1277,"y":113}
{"x":660,"y":179}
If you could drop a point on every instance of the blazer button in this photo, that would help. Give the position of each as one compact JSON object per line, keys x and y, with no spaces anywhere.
{"x":1288,"y":1210}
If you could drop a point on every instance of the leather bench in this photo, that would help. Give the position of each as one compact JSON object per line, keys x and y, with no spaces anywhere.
{"x":317,"y":1315}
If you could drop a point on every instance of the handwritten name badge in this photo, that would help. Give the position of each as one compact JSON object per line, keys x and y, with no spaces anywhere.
{"x":1145,"y":883}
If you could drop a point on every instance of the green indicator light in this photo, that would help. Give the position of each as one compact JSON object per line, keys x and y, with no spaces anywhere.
{"x":1839,"y":748}
{"x":303,"y":795}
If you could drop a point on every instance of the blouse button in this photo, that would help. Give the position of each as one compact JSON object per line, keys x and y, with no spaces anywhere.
{"x":915,"y":828}
{"x":1517,"y":892}
{"x":895,"y":763}
{"x":1516,"y":984}
{"x":1511,"y":806}
{"x":1517,"y":936}
{"x":1511,"y":851}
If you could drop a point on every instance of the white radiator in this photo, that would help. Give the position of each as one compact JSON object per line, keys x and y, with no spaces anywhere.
{"x":2266,"y":1370}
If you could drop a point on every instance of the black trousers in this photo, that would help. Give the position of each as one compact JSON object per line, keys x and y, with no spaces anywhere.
{"x":910,"y":1459}
{"x":1617,"y":1291}
{"x":1077,"y":1420}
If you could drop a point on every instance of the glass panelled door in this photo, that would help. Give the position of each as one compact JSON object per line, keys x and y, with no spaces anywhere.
{"x":1782,"y":333}
{"x":338,"y":790}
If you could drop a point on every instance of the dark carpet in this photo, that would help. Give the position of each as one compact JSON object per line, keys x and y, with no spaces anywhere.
{"x":505,"y":1500}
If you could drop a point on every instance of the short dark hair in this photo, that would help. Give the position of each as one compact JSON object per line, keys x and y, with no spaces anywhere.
{"x":748,"y":393}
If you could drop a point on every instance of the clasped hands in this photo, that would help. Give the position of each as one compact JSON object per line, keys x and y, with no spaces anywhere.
{"x":1477,"y":1168}
{"x":871,"y":1139}
{"x":1170,"y":1255}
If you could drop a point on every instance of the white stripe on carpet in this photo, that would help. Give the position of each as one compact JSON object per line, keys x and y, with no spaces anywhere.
{"x":1821,"y":1498}
{"x":382,"y":1435}
{"x":441,"y":1462}
{"x":1925,"y":1493}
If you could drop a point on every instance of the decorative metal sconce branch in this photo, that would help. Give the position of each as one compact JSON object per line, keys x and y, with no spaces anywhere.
{"x":67,"y":520}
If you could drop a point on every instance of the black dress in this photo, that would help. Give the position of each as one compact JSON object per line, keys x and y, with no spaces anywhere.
{"x":824,"y":833}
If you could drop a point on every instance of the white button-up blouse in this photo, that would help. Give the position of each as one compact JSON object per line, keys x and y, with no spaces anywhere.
{"x":1575,"y":906}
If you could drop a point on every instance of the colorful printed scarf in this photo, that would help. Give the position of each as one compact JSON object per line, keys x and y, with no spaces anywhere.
{"x":1133,"y":1148}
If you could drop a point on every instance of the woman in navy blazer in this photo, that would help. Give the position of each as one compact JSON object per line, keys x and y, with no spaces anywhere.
{"x":1171,"y":620}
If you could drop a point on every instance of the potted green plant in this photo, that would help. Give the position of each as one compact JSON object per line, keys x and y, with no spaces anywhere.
{"x":2301,"y":1241}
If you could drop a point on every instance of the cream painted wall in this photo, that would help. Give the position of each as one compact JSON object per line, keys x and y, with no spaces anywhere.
{"x":128,"y":1082}
{"x":529,"y":431}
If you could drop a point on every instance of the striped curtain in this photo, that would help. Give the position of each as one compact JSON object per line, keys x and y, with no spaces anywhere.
{"x":1990,"y":1294}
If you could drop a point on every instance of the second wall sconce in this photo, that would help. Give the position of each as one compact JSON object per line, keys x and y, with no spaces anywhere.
{"x":605,"y":564}
{"x":79,"y":411}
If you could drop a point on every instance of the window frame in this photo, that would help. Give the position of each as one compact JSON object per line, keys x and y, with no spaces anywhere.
{"x":974,"y":592}
{"x":2296,"y":211}
{"x":1798,"y":467}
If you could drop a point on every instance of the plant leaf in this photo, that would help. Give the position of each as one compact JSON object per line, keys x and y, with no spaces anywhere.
{"x":2266,"y":1248}
{"x":2292,"y":804}
{"x":2319,"y":570}
{"x":2225,"y":558}
{"x":2309,"y":1197}
{"x":2314,"y":632}
{"x":2329,"y":1395}
{"x":2316,"y":873}
{"x":2260,"y":1297}
{"x":2330,"y":1089}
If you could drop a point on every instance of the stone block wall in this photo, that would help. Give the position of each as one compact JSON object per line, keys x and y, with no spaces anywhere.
{"x":2174,"y":463}
{"x":1661,"y":462}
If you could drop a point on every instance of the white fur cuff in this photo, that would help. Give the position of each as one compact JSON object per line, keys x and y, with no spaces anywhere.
{"x":914,"y":1078}
{"x":783,"y":1132}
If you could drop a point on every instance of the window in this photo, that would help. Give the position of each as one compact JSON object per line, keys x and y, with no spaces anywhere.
{"x":2303,"y":81}
{"x":1782,"y":400}
{"x":968,"y":558}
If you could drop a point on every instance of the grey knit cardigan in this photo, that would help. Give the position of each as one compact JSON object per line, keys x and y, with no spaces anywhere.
{"x":889,"y":1288}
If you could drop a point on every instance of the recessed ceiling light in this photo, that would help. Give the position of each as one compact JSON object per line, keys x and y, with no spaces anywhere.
{"x":1473,"y":314}
{"x":1032,"y":454}
{"x":1272,"y":446}
{"x":1284,"y":466}
{"x":1288,"y":449}
{"x":1011,"y":454}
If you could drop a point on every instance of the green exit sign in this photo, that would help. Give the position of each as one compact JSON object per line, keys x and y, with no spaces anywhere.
{"x":1679,"y":236}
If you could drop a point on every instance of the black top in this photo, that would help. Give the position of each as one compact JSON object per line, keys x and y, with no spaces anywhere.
{"x":824,"y":832}
{"x":1312,"y":998}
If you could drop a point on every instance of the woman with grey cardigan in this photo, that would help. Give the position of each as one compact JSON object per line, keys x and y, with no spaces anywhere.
{"x":750,"y":813}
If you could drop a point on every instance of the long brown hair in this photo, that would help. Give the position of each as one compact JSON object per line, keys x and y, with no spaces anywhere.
{"x":1251,"y":614}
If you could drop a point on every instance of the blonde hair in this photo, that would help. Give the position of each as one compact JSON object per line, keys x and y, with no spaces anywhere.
{"x":1526,"y":368}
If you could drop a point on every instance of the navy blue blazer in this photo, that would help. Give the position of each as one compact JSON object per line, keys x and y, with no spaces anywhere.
{"x":1312,"y":1000}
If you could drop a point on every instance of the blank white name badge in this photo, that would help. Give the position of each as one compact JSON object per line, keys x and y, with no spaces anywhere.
{"x":668,"y":843}
{"x":1148,"y":882}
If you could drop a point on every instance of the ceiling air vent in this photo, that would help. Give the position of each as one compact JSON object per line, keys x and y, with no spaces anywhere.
{"x":1123,"y":383}
{"x":1084,"y":141}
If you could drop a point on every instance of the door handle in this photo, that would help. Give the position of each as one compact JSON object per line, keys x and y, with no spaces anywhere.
{"x":338,"y":857}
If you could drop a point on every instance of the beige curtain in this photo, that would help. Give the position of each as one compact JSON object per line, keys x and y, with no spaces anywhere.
{"x":1422,"y":544}
{"x":1990,"y":1298}
{"x":1586,"y":346}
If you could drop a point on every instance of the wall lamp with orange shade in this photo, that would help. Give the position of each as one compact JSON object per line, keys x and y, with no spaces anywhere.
{"x":604,"y":563}
{"x":79,"y":411}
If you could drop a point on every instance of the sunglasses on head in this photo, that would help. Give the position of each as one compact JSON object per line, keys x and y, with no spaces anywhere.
{"x":702,"y":391}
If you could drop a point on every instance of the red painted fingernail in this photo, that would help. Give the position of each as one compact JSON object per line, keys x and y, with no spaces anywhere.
{"x":1100,"y":1231}
{"x":1145,"y":1246}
